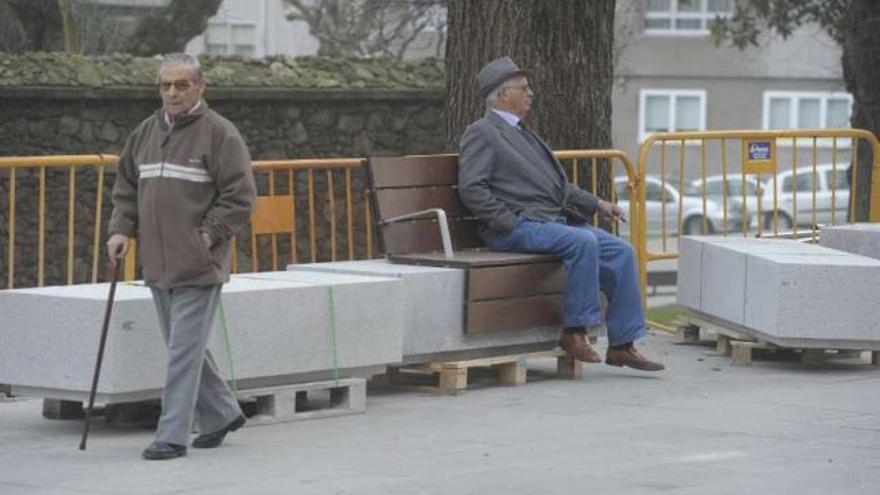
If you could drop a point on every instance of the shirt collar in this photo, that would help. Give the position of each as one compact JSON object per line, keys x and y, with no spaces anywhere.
{"x":508,"y":117}
{"x":191,"y":110}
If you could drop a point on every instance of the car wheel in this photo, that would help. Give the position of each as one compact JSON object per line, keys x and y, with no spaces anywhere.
{"x":694,"y":226}
{"x":784,"y":222}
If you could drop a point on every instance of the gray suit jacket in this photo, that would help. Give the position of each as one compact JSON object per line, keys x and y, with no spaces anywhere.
{"x":501,"y":178}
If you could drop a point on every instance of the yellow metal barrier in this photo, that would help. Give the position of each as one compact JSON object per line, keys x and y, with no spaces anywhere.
{"x":325,"y":194}
{"x":587,"y":163}
{"x":759,"y":197}
{"x":13,"y":168}
{"x":282,"y":176}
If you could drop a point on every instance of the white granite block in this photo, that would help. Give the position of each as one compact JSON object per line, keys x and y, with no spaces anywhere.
{"x":820,"y":298}
{"x":690,"y":263}
{"x":433,"y":310}
{"x":280,"y":329}
{"x":694,"y":272}
{"x":723,"y":281}
{"x":858,"y":238}
{"x":786,"y":292}
{"x":299,"y":327}
{"x":50,"y":339}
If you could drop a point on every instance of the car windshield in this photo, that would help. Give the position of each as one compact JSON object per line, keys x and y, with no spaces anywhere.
{"x":734,"y":186}
{"x":692,"y":190}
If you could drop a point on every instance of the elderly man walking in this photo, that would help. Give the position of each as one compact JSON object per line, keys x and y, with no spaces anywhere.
{"x":510,"y":180}
{"x":183,"y":188}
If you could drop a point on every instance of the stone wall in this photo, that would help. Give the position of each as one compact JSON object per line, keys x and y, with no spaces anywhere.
{"x":54,"y":104}
{"x":277,"y":123}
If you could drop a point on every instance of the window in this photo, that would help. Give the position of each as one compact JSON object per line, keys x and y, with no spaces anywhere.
{"x":684,"y":17}
{"x":804,"y":181}
{"x":671,"y":110}
{"x":622,"y":191}
{"x":715,"y":188}
{"x":837,"y":179}
{"x":807,"y":110}
{"x":653,"y":192}
{"x":230,"y":38}
{"x":786,"y":184}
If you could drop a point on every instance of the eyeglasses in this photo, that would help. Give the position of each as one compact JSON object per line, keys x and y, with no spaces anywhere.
{"x":521,"y":87}
{"x":180,"y":85}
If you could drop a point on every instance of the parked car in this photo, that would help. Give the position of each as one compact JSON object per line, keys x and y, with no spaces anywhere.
{"x":662,"y":200}
{"x":735,"y":185}
{"x":830,"y":181}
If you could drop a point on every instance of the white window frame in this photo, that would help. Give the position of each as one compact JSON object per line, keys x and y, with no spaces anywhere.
{"x":229,"y":44}
{"x":672,"y":14}
{"x":673,"y":95}
{"x":794,"y":98}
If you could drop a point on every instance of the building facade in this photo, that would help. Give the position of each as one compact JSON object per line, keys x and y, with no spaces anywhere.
{"x":670,"y":77}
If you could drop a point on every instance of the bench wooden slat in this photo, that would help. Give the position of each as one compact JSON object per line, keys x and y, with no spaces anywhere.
{"x":507,"y":314}
{"x":395,"y":202}
{"x":472,"y":259}
{"x":424,"y":235}
{"x":412,"y":171}
{"x":515,"y":281}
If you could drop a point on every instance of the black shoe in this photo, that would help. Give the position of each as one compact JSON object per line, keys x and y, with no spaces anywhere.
{"x":160,"y":451}
{"x":211,"y":440}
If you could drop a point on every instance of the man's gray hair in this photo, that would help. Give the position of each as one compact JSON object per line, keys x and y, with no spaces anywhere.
{"x":172,"y":59}
{"x":492,"y":99}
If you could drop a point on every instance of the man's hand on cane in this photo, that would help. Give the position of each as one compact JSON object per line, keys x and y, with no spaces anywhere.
{"x":611,"y":210}
{"x":117,"y":246}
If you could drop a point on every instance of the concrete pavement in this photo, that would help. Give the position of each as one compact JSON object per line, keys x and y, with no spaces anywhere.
{"x":701,"y":427}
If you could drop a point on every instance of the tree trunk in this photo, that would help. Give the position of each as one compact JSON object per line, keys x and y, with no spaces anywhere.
{"x":169,"y":29}
{"x":567,"y":45}
{"x":40,"y":23}
{"x":70,"y":26}
{"x":861,"y":71}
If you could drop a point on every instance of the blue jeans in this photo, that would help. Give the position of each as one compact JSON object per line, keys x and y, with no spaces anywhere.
{"x":593,"y":259}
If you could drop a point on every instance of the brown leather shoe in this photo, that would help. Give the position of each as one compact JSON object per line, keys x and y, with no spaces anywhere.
{"x":632,"y":358}
{"x":576,"y":344}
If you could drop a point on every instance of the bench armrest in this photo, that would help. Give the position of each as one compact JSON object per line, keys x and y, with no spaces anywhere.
{"x":445,"y":237}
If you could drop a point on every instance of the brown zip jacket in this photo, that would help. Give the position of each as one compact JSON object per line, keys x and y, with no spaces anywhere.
{"x":172,"y":184}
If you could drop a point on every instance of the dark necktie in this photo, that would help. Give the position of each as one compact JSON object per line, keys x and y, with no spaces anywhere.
{"x":535,"y":144}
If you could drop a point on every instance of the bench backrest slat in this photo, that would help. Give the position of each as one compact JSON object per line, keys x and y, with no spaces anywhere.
{"x":414,"y":171}
{"x":402,"y":185}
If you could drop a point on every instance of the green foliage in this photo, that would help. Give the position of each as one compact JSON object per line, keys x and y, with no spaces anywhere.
{"x":66,"y":69}
{"x":752,"y":17}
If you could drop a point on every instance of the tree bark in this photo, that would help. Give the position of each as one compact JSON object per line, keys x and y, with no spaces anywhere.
{"x":567,"y":45}
{"x":40,"y":22}
{"x":169,"y":29}
{"x":861,"y":72}
{"x":70,"y":26}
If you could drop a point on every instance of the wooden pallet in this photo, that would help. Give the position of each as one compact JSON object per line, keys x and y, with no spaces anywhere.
{"x":452,"y":376}
{"x":304,"y":401}
{"x":743,"y":349}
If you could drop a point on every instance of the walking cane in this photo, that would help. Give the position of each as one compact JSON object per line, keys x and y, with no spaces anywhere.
{"x":85,"y":435}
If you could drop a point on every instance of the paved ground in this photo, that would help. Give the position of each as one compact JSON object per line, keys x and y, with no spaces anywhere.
{"x":701,"y":427}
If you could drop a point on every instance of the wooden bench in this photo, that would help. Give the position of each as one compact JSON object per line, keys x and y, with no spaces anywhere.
{"x":420,"y":220}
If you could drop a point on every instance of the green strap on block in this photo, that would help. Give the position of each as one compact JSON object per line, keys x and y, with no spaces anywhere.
{"x":331,"y":315}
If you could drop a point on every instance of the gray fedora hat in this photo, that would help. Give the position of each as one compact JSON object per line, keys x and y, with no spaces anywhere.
{"x":496,"y":72}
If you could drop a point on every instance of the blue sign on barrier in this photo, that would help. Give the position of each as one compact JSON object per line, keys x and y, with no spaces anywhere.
{"x":759,"y":156}
{"x":759,"y":150}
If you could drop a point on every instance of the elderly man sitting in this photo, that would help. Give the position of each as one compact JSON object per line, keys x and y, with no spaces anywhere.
{"x":509,"y":178}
